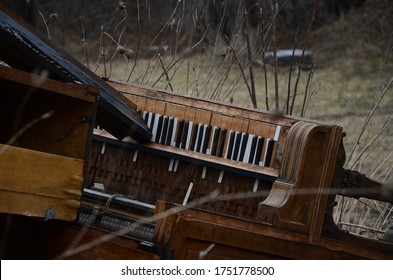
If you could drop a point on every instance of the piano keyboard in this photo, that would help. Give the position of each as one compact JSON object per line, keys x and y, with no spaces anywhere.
{"x":215,"y":141}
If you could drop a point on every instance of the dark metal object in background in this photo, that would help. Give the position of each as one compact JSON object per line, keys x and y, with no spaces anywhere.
{"x":289,"y":57}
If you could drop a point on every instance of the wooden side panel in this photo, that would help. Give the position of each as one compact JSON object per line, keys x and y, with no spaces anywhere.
{"x":50,"y":116}
{"x":195,"y":234}
{"x":32,"y":182}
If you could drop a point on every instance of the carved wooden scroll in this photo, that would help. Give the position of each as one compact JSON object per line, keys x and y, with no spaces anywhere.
{"x":298,"y":196}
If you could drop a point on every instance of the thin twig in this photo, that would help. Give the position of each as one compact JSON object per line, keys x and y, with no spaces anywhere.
{"x":86,"y":53}
{"x":136,"y":53}
{"x":45,"y":23}
{"x":273,"y":22}
{"x":262,"y":27}
{"x":24,"y":129}
{"x":290,"y":70}
{"x":241,"y":68}
{"x":249,"y":54}
{"x":314,"y":13}
{"x":181,"y":57}
{"x":166,"y":24}
{"x":376,"y":101}
{"x":386,"y":126}
{"x":310,"y":75}
{"x":165,"y":71}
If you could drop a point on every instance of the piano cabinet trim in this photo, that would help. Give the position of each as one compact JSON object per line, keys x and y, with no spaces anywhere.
{"x":298,"y":197}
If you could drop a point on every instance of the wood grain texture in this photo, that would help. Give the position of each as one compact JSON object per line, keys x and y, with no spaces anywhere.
{"x":32,"y":181}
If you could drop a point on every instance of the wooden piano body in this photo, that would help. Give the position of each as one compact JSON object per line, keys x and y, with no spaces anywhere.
{"x":282,"y":207}
{"x":215,"y":181}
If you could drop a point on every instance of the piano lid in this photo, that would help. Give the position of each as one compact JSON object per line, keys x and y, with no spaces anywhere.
{"x":23,"y":48}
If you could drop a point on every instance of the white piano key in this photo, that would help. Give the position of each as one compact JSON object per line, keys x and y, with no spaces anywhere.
{"x":155,"y":126}
{"x":198,"y":131}
{"x":256,"y":184}
{"x":220,"y":177}
{"x":163,"y":132}
{"x":213,"y":137}
{"x":269,"y":152}
{"x":171,"y":165}
{"x":188,"y":193}
{"x":207,"y":137}
{"x":189,"y":134}
{"x":258,"y":150}
{"x":240,"y":147}
{"x":248,"y":148}
{"x":277,"y":133}
{"x":203,"y":138}
{"x":176,"y":166}
{"x":265,"y":152}
{"x":160,"y":126}
{"x":103,"y":148}
{"x":135,"y":157}
{"x":204,"y":172}
{"x":174,"y":132}
{"x":232,"y":152}
{"x":236,"y":146}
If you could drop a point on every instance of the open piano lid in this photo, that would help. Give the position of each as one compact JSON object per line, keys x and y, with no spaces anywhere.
{"x":23,"y":48}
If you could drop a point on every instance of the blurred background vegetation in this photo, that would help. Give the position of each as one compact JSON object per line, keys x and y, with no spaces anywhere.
{"x":179,"y":24}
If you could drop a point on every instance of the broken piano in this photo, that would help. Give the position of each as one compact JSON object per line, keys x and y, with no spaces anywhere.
{"x":94,"y":169}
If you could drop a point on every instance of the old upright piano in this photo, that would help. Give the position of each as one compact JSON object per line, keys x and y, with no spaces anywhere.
{"x":101,"y":169}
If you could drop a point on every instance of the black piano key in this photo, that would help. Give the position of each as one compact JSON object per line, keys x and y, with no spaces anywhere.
{"x":179,"y":132}
{"x":253,"y":149}
{"x":216,"y":136}
{"x":153,"y":125}
{"x":146,"y":118}
{"x":159,"y":129}
{"x":184,"y":135}
{"x":230,"y":146}
{"x":164,"y":130}
{"x":236,"y":147}
{"x":170,"y":132}
{"x":243,"y":147}
{"x":208,"y":131}
{"x":269,"y":152}
{"x":221,"y":142}
{"x":259,"y":149}
{"x":195,"y":131}
{"x":201,"y":131}
{"x":152,"y":120}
